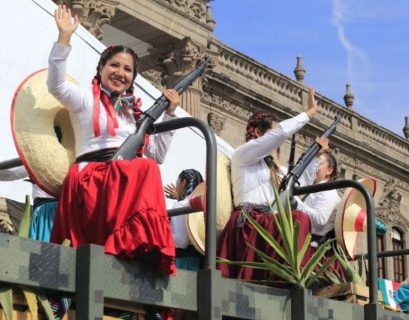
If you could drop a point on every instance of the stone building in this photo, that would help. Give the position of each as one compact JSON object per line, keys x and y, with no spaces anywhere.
{"x":172,"y":36}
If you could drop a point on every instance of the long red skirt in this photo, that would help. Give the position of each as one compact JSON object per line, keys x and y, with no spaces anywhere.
{"x":235,"y":235}
{"x":119,"y":205}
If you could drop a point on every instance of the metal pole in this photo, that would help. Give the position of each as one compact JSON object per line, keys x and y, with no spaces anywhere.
{"x":386,"y":254}
{"x":371,"y":231}
{"x":12,"y":163}
{"x":211,"y":176}
{"x":90,"y":282}
{"x":180,"y":211}
{"x":209,"y":295}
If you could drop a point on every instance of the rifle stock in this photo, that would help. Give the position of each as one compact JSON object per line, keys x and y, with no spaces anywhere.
{"x":129,"y":149}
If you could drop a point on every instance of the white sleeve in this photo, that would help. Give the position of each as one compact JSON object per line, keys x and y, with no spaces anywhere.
{"x":324,"y":204}
{"x":159,"y":143}
{"x":179,"y":227}
{"x":13,"y":174}
{"x":256,"y":149}
{"x":70,"y":95}
{"x":308,"y":176}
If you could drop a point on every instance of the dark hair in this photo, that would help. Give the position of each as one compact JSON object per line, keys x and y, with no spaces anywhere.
{"x":108,"y":53}
{"x":261,"y":121}
{"x":192,"y":178}
{"x":332,"y":163}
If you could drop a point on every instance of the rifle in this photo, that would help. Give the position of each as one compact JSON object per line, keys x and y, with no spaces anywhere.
{"x":288,"y":182}
{"x":129,"y":149}
{"x":292,"y":154}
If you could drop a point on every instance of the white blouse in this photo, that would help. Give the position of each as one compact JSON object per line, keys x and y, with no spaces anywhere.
{"x":79,"y":102}
{"x":251,"y":178}
{"x":179,"y":225}
{"x":18,"y":173}
{"x":321,"y":208}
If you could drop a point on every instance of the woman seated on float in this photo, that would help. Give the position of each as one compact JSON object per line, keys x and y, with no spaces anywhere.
{"x":252,"y":182}
{"x":117,"y":204}
{"x":187,"y":257}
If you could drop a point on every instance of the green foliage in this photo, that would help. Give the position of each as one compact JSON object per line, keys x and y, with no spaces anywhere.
{"x":288,"y":266}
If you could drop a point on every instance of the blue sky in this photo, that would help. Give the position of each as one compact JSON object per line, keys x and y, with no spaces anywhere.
{"x":361,"y":42}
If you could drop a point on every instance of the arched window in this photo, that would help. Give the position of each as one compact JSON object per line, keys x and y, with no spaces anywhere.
{"x":398,"y":262}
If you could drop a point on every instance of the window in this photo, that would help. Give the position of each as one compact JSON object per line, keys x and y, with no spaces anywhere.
{"x":398,"y":263}
{"x":380,"y":246}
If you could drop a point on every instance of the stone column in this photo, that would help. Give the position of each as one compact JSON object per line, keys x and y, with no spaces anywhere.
{"x":93,"y":14}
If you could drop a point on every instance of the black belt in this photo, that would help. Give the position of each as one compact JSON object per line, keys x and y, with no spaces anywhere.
{"x":40,"y":201}
{"x":97,"y":156}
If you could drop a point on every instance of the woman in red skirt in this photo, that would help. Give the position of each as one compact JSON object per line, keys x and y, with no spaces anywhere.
{"x":117,"y":204}
{"x":252,"y":179}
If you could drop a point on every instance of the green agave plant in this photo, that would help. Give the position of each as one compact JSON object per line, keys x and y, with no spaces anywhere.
{"x":288,"y":268}
{"x":6,"y":291}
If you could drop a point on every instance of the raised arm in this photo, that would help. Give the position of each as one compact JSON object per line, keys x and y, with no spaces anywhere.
{"x":256,"y":149}
{"x":70,"y":95}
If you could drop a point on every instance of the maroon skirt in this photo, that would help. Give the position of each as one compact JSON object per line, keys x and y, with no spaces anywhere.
{"x":119,"y":205}
{"x":233,"y":239}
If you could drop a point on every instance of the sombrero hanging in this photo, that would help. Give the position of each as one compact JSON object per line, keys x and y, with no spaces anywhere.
{"x":224,"y":205}
{"x":36,"y":118}
{"x":351,"y":215}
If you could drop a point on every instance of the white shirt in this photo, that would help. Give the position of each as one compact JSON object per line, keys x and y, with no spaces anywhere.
{"x":179,"y":225}
{"x":251,"y":178}
{"x":18,"y":173}
{"x":321,"y":209}
{"x":80,"y":104}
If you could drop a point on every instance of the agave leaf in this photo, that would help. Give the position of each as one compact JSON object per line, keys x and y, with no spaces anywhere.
{"x":303,"y":250}
{"x":267,"y":237}
{"x":296,"y":255}
{"x":315,"y":259}
{"x":31,"y":299}
{"x":333,"y":277}
{"x":248,"y":264}
{"x":351,"y":275}
{"x":46,"y":306}
{"x":282,"y":271}
{"x":269,"y":259}
{"x":289,"y":212}
{"x":24,"y":228}
{"x":66,"y":242}
{"x":286,"y":232}
{"x":279,"y":269}
{"x":6,"y":301}
{"x":325,"y":267}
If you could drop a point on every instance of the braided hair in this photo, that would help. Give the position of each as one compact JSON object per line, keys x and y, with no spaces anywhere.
{"x":108,"y":53}
{"x":192,"y":178}
{"x":261,"y":121}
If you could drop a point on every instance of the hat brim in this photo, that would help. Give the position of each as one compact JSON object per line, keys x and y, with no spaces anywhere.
{"x":35,"y":114}
{"x":224,"y":206}
{"x":346,"y":237}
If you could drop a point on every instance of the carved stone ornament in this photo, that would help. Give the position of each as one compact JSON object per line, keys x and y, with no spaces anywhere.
{"x":216,"y":122}
{"x":93,"y":14}
{"x":389,"y":205}
{"x":194,"y":8}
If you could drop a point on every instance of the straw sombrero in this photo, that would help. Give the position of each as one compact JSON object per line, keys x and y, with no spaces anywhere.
{"x":351,"y":214}
{"x":36,"y":116}
{"x":224,"y":205}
